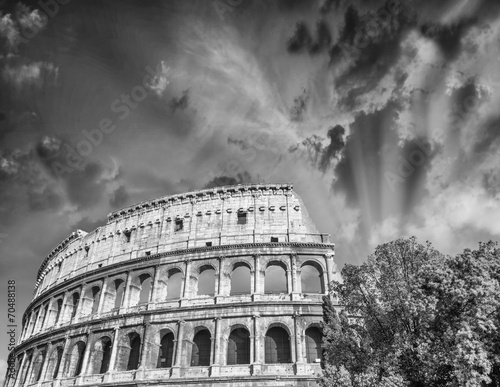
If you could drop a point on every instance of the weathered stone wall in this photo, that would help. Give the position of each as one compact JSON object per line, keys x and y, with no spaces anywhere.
{"x":99,"y":293}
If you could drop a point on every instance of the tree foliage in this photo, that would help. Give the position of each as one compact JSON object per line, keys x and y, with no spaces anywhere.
{"x":413,"y":317}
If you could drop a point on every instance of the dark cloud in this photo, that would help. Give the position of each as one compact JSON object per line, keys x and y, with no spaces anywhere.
{"x":89,"y":225}
{"x":487,"y":137}
{"x":327,"y":5}
{"x":300,"y":40}
{"x":323,"y":38}
{"x":299,"y":106}
{"x":120,"y":197}
{"x":448,"y":37}
{"x":371,"y":139}
{"x":180,"y":103}
{"x":370,"y":44}
{"x":219,"y":181}
{"x":337,"y":143}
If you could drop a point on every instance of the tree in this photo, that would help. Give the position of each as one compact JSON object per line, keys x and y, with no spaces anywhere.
{"x":413,"y":317}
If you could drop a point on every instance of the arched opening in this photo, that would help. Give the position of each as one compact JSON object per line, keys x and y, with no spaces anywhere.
{"x":54,"y":363}
{"x":26,"y":368}
{"x":277,"y":346}
{"x":174,"y":284}
{"x":135,"y":350}
{"x":75,"y":298}
{"x":101,"y":356}
{"x":145,"y":288}
{"x":238,"y":347}
{"x":58,"y":310}
{"x":202,"y":343}
{"x":311,"y":278}
{"x":37,"y":367}
{"x":240,"y":280}
{"x":166,"y":351}
{"x":206,"y":281}
{"x":44,"y":316}
{"x":275,"y":280}
{"x":96,"y":292}
{"x":313,"y":345}
{"x":76,"y":359}
{"x":119,"y":292}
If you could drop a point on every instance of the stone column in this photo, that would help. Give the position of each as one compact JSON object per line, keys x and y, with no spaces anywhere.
{"x":108,"y":376}
{"x":300,"y":367}
{"x":102,"y":296}
{"x":64,"y":309}
{"x":256,"y":367}
{"x":329,"y":266}
{"x":289,"y":283}
{"x":215,"y":367}
{"x":154,"y":285}
{"x":27,"y":375}
{"x":175,"y":372}
{"x":140,"y":373}
{"x":45,"y":363}
{"x":219,"y":279}
{"x":295,"y":281}
{"x":85,"y":361}
{"x":81,"y":302}
{"x":187,"y":276}
{"x":20,"y":372}
{"x":257,"y":285}
{"x":126,"y":292}
{"x":62,"y":365}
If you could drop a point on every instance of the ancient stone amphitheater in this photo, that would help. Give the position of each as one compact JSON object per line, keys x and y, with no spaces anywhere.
{"x":218,"y":287}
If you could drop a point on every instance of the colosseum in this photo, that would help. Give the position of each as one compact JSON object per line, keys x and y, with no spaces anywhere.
{"x":217,"y":287}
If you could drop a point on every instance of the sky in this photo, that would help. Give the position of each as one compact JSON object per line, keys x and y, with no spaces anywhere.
{"x":382,"y":114}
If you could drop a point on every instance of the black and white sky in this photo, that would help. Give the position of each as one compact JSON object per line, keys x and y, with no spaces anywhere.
{"x":383,"y":114}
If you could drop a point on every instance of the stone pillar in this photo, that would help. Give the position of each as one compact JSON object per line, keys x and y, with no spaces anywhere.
{"x":140,"y":373}
{"x":126,"y":292}
{"x":300,"y":367}
{"x":27,"y":375}
{"x":289,"y":284}
{"x":219,"y":279}
{"x":20,"y":372}
{"x":256,"y":367}
{"x":102,"y":295}
{"x":215,"y":367}
{"x":62,"y":365}
{"x":45,"y":363}
{"x":257,"y":284}
{"x":64,"y":309}
{"x":108,"y":376}
{"x":175,"y":372}
{"x":81,"y":302}
{"x":329,"y":266}
{"x":187,"y":276}
{"x":295,"y":280}
{"x":154,"y":285}
{"x":85,"y":361}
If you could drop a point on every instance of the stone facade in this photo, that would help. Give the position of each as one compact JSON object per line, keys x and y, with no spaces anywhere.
{"x":219,"y":287}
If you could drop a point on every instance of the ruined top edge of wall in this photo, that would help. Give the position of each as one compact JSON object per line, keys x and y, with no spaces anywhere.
{"x":212,"y":193}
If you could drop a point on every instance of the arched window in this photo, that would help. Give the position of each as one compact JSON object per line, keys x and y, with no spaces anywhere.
{"x":206,"y":281}
{"x":101,"y":356}
{"x":166,"y":351}
{"x":174,"y":284}
{"x":238,"y":347}
{"x":311,"y":278}
{"x":37,"y":367}
{"x":96,"y":292}
{"x":75,"y":298}
{"x":275,"y":281}
{"x":240,"y":280}
{"x":277,"y":346}
{"x":58,"y":310}
{"x":54,"y":363}
{"x":119,"y":292}
{"x":135,"y":350}
{"x":26,"y":368}
{"x":202,"y":343}
{"x":145,"y":288}
{"x":44,"y":318}
{"x":313,"y":345}
{"x":76,"y":359}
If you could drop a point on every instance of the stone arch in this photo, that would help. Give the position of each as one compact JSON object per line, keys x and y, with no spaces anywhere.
{"x":90,"y":299}
{"x":27,"y":365}
{"x":175,"y":277}
{"x":140,"y":287}
{"x":241,"y":278}
{"x":276,"y":280}
{"x":311,"y":277}
{"x":75,"y":359}
{"x":129,"y":351}
{"x":313,"y":338}
{"x":238,"y":345}
{"x":205,"y":282}
{"x":166,"y":349}
{"x":277,"y":344}
{"x":113,"y":296}
{"x":54,"y":362}
{"x":201,"y":349}
{"x":36,"y":369}
{"x":101,"y":355}
{"x":74,"y":300}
